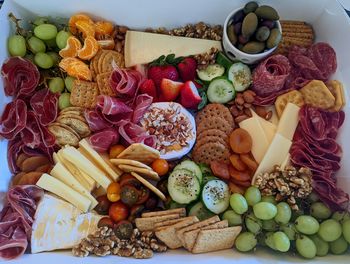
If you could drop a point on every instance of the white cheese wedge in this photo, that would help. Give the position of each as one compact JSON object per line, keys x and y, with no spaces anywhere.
{"x":286,"y":162}
{"x":260,"y":140}
{"x":60,"y":225}
{"x":269,"y":128}
{"x":96,"y":158}
{"x":85,"y":165}
{"x":143,"y":47}
{"x":289,"y":121}
{"x":275,"y":155}
{"x":61,"y":173}
{"x":51,"y":184}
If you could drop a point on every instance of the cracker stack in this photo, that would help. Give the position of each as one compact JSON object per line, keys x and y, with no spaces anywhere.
{"x":214,"y":124}
{"x":295,"y":33}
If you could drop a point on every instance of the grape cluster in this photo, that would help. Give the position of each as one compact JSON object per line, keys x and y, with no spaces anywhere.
{"x":268,"y":223}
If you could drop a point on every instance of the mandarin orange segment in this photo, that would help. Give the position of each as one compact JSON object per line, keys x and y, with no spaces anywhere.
{"x":103,"y":28}
{"x":89,"y":49}
{"x":79,"y":70}
{"x":71,"y":49}
{"x":65,"y":62}
{"x":78,"y":17}
{"x":86,"y":28}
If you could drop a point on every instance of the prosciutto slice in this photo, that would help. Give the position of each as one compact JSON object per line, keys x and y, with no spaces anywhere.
{"x":21,"y":77}
{"x":16,"y":220}
{"x":142,"y":102}
{"x":43,"y":100}
{"x":14,"y":119}
{"x":96,"y":120}
{"x":133,"y":133}
{"x":113,"y":109}
{"x":125,"y":82}
{"x":103,"y":140}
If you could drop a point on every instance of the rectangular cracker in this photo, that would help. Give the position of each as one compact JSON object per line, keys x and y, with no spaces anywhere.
{"x":84,"y":94}
{"x":160,"y":225}
{"x":103,"y":84}
{"x":180,"y":211}
{"x":140,"y":152}
{"x":148,"y":223}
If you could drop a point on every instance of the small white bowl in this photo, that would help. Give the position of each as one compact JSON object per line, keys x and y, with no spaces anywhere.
{"x":234,"y":53}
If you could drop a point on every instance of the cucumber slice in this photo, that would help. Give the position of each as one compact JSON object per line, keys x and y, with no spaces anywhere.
{"x":240,"y":76}
{"x":223,"y":60}
{"x":200,"y":211}
{"x":216,"y":196}
{"x":208,"y":178}
{"x":191,"y":166}
{"x":220,"y":91}
{"x":211,"y":72}
{"x":183,"y":186}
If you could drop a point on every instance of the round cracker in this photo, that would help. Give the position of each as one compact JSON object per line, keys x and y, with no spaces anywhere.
{"x":213,"y":132}
{"x":72,"y":114}
{"x":94,"y":62}
{"x":209,"y":152}
{"x":64,"y":135}
{"x":107,"y":63}
{"x":76,"y":124}
{"x":208,"y":139}
{"x":72,"y":108}
{"x":215,"y":110}
{"x":101,"y":60}
{"x":215,"y":123}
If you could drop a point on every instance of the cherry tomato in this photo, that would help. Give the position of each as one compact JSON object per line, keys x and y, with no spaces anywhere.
{"x":113,"y":192}
{"x":129,"y":195}
{"x":103,"y":205}
{"x":143,"y":195}
{"x":128,"y":179}
{"x":118,"y":211}
{"x":115,"y":150}
{"x":136,"y":211}
{"x":105,"y":221}
{"x":160,"y":166}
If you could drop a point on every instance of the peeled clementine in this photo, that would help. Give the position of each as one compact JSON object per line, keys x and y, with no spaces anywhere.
{"x":89,"y":49}
{"x":103,"y":28}
{"x":71,"y":49}
{"x":86,"y":28}
{"x":79,"y":70}
{"x":65,"y":62}
{"x":78,"y":17}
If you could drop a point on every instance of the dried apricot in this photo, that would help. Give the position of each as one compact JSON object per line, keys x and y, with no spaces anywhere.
{"x":103,"y":28}
{"x":86,"y":28}
{"x":29,"y":178}
{"x":78,"y":17}
{"x":240,"y":141}
{"x":249,"y":161}
{"x":220,"y":169}
{"x":241,"y":183}
{"x":237,"y":163}
{"x":79,"y":70}
{"x":89,"y":50}
{"x":65,"y":62}
{"x":71,"y":49}
{"x":234,"y":188}
{"x":240,"y":176}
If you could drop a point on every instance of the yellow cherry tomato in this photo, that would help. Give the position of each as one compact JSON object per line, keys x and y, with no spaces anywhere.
{"x":113,"y":192}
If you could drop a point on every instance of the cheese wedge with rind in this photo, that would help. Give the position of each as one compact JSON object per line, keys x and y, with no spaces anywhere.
{"x":144,"y":47}
{"x":289,"y":121}
{"x":85,"y":165}
{"x":51,"y":184}
{"x":61,"y":173}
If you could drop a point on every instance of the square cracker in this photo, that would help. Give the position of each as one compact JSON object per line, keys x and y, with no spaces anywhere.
{"x":316,"y":94}
{"x":84,"y":94}
{"x":180,"y":211}
{"x":140,"y":152}
{"x":336,"y":88}
{"x":103,"y":85}
{"x":148,"y":223}
{"x":294,"y":97}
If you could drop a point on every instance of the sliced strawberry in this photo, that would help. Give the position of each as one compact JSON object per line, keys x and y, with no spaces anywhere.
{"x":189,"y":95}
{"x":148,"y":87}
{"x":157,"y":73}
{"x":170,"y":90}
{"x":187,"y":69}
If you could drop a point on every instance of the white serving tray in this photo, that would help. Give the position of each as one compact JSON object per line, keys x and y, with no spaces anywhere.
{"x":330,"y":23}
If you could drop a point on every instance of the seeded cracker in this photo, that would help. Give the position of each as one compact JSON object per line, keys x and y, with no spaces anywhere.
{"x":103,"y":84}
{"x":214,"y":123}
{"x":84,"y":94}
{"x":210,"y":151}
{"x":214,"y":110}
{"x":110,"y":57}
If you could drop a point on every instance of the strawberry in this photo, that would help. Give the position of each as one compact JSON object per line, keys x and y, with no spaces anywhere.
{"x":157,"y":73}
{"x":148,"y":87}
{"x":170,"y":89}
{"x":187,"y":69}
{"x":189,"y":95}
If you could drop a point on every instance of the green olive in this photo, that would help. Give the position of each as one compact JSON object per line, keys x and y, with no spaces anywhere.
{"x":231,"y":34}
{"x":249,"y":25}
{"x":253,"y":47}
{"x":250,"y":7}
{"x":267,"y":12}
{"x":274,"y":38}
{"x":262,"y":34}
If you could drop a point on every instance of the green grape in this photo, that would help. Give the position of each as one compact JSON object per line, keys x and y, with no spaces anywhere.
{"x":269,"y":225}
{"x":281,"y":241}
{"x":232,"y":218}
{"x":61,"y":39}
{"x":322,"y":247}
{"x":238,"y":203}
{"x":269,"y":199}
{"x":339,"y":246}
{"x":45,"y":31}
{"x":68,"y":81}
{"x":245,"y":241}
{"x":306,"y":247}
{"x":252,"y":195}
{"x":307,"y":225}
{"x":269,"y":241}
{"x":51,"y":43}
{"x":313,"y":197}
{"x":284,"y":213}
{"x":289,"y":230}
{"x":36,"y":45}
{"x":265,"y":210}
{"x":16,"y":45}
{"x":40,"y":20}
{"x":320,"y":211}
{"x":346,"y":230}
{"x":252,"y":223}
{"x":55,"y":57}
{"x":56,"y":85}
{"x":64,"y":101}
{"x":330,"y":230}
{"x":43,"y":60}
{"x":341,"y":216}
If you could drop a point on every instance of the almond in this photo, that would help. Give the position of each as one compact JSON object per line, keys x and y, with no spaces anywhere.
{"x":30,"y":164}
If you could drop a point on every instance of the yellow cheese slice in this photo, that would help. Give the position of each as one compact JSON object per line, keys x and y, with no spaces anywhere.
{"x":289,"y":121}
{"x":275,"y":155}
{"x":269,"y":128}
{"x":61,"y":173}
{"x":96,"y":158}
{"x":259,"y":139}
{"x":49,"y":183}
{"x":143,"y":47}
{"x":85,"y":165}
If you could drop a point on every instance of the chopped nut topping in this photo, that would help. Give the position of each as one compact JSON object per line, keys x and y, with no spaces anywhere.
{"x":171,"y":127}
{"x":288,"y":184}
{"x":206,"y":58}
{"x":104,"y":242}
